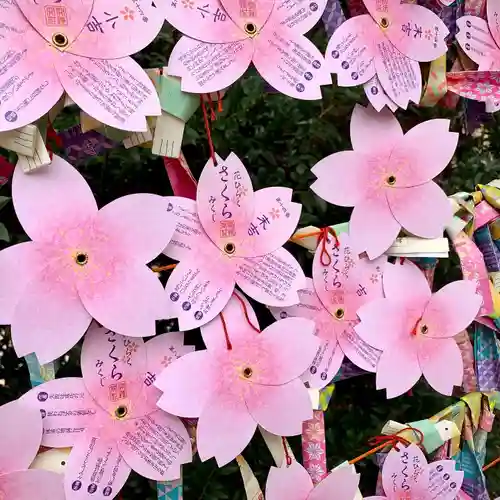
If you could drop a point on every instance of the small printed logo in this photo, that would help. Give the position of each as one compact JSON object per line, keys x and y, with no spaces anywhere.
{"x":300,"y":87}
{"x":42,"y":396}
{"x":11,"y":116}
{"x":174,"y":296}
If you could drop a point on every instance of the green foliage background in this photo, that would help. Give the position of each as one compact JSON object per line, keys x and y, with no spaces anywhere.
{"x":279,"y":139}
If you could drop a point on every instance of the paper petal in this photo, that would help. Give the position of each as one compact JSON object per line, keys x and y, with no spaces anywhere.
{"x":66,"y":17}
{"x":378,"y":99}
{"x":475,"y":39}
{"x":425,"y":48}
{"x":326,"y":363}
{"x":298,"y":17}
{"x":444,"y":479}
{"x":129,"y":302}
{"x":399,"y":75}
{"x":492,"y":13}
{"x":161,"y":351}
{"x":341,"y":484}
{"x":382,"y":322}
{"x":185,"y":395}
{"x":418,"y":165}
{"x":292,"y":346}
{"x":20,"y":434}
{"x":139,"y":225}
{"x":113,"y":31}
{"x":357,"y":350}
{"x":49,"y":319}
{"x":422,"y":210}
{"x":373,"y":131}
{"x":205,"y":20}
{"x":274,"y":222}
{"x":226,"y":203}
{"x":235,"y":317}
{"x":282,"y":409}
{"x":224,"y":429}
{"x":395,"y":478}
{"x":353,"y":61}
{"x":209,"y":67}
{"x":373,"y":227}
{"x":198,"y":289}
{"x":273,"y":56}
{"x":108,"y":358}
{"x":398,"y":369}
{"x":452,"y":309}
{"x":92,"y":453}
{"x":159,"y":438}
{"x":129,"y":94}
{"x":189,"y":233}
{"x":292,"y":482}
{"x":273,"y":279}
{"x":338,"y":178}
{"x":257,"y":14}
{"x":405,"y":282}
{"x":433,"y":354}
{"x":67,"y":410}
{"x":67,"y":199}
{"x":28,"y":484}
{"x":378,"y":10}
{"x":30,"y":86}
{"x":18,"y":264}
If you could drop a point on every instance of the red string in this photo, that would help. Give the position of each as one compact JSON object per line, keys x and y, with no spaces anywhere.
{"x":54,"y":137}
{"x":213,"y":116}
{"x":288,"y":458}
{"x":323,"y":239}
{"x":245,"y":310}
{"x":395,"y":439}
{"x":219,"y":102}
{"x":207,"y":129}
{"x":226,"y":334}
{"x":402,"y":260}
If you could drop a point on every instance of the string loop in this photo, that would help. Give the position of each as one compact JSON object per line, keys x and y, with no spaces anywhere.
{"x":324,"y":257}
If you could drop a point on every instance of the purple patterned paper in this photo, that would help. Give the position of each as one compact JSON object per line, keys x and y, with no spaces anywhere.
{"x":333,"y":16}
{"x":79,"y":146}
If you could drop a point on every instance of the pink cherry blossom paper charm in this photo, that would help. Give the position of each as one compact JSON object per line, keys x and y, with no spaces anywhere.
{"x":387,"y":178}
{"x":83,"y":263}
{"x":387,"y":43}
{"x":21,"y":435}
{"x":110,"y":418}
{"x":294,"y":483}
{"x":332,"y":299}
{"x":415,"y":328}
{"x":243,"y":379}
{"x":406,"y":474}
{"x":223,"y":37}
{"x":230,"y":235}
{"x":82,"y":48}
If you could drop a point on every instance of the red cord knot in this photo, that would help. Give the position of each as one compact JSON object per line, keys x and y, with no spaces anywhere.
{"x":325,"y":258}
{"x":395,"y":439}
{"x":288,"y":458}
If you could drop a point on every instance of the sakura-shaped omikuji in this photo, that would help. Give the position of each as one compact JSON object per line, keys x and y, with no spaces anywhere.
{"x":222,"y":38}
{"x":109,"y":417}
{"x":81,"y":48}
{"x":382,"y":50}
{"x":230,"y":235}
{"x":83,"y":263}
{"x":293,"y":482}
{"x":406,"y":474}
{"x":480,"y":40}
{"x":21,"y":435}
{"x":341,"y":283}
{"x":414,"y":329}
{"x":387,"y":178}
{"x":244,"y":378}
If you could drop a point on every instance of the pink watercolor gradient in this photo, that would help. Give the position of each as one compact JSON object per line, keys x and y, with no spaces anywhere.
{"x":406,"y":474}
{"x":255,"y":382}
{"x":21,"y":435}
{"x":47,"y":297}
{"x":218,"y":46}
{"x":338,"y":289}
{"x":230,"y":235}
{"x":415,"y":328}
{"x":387,"y":178}
{"x":91,"y":64}
{"x":118,"y":372}
{"x":294,"y":483}
{"x":385,"y":47}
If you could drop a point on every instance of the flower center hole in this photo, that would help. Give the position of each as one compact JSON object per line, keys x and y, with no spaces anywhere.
{"x":247,"y":372}
{"x":229,"y":248}
{"x":121,"y":411}
{"x":339,"y":313}
{"x":384,"y":23}
{"x":391,"y":180}
{"x":81,"y":258}
{"x":60,"y":40}
{"x":250,"y":28}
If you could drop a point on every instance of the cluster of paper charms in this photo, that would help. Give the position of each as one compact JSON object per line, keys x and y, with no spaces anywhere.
{"x":148,"y":406}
